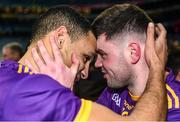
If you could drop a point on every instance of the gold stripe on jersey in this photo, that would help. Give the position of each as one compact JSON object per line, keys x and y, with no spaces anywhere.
{"x":176,"y":98}
{"x":133,"y":97}
{"x":26,"y":69}
{"x":20,"y":68}
{"x":85,"y":110}
{"x":169,"y":102}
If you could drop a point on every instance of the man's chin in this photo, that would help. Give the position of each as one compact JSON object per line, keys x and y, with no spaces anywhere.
{"x":115,"y":86}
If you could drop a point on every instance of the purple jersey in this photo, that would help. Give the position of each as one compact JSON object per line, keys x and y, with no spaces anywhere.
{"x":28,"y":96}
{"x":122,"y":101}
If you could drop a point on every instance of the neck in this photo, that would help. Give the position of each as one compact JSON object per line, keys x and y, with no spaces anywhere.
{"x":138,"y":84}
{"x":28,"y":56}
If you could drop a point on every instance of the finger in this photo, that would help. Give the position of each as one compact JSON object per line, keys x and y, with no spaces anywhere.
{"x":37,"y":59}
{"x":44,"y":53}
{"x":55,"y":49}
{"x":27,"y":63}
{"x":150,"y":36}
{"x":33,"y":69}
{"x":162,"y":36}
{"x":75,"y":65}
{"x":158,"y":32}
{"x":162,"y":30}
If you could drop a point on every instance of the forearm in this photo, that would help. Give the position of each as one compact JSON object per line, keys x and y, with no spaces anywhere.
{"x":153,"y":103}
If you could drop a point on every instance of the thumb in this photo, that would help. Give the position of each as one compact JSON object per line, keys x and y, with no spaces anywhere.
{"x":75,"y":64}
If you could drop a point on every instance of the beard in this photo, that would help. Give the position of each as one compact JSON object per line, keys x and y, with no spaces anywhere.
{"x":116,"y":84}
{"x":120,"y":78}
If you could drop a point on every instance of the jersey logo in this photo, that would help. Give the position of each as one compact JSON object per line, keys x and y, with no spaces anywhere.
{"x":116,"y":98}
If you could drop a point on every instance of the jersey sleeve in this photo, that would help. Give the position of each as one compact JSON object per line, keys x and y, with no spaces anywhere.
{"x":39,"y":97}
{"x":173,"y":97}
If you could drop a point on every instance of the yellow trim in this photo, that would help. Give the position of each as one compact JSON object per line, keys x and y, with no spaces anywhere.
{"x":20,"y":68}
{"x":174,"y":95}
{"x":85,"y":110}
{"x":133,"y":97}
{"x":26,"y":69}
{"x":169,"y":102}
{"x":125,"y":113}
{"x":30,"y":72}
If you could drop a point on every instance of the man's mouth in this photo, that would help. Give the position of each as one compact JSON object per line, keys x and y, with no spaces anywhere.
{"x":103,"y":71}
{"x":105,"y":74}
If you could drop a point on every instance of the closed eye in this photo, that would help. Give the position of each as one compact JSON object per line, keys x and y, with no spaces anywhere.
{"x":102,"y":54}
{"x":86,"y":58}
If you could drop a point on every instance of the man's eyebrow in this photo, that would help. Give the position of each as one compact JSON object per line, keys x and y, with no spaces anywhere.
{"x":91,"y":54}
{"x":100,"y":51}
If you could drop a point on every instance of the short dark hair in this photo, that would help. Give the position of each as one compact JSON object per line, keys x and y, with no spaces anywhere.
{"x":58,"y":16}
{"x":15,"y":47}
{"x":121,"y":18}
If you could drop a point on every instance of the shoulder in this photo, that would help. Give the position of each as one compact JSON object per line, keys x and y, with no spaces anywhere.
{"x":39,"y":97}
{"x":170,"y":76}
{"x":38,"y":82}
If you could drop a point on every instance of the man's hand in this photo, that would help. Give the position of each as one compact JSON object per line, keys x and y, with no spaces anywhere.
{"x":156,"y":49}
{"x":156,"y":57}
{"x":54,"y":67}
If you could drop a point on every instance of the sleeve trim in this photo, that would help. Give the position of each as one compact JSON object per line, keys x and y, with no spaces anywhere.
{"x":85,"y":110}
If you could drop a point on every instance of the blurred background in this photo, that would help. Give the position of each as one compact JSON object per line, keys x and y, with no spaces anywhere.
{"x":18,"y":16}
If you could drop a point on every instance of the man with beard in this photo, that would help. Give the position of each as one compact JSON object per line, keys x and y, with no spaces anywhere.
{"x":121,"y":36}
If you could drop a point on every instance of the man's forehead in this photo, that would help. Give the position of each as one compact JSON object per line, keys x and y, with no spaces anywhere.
{"x":91,"y":50}
{"x":87,"y":47}
{"x":101,"y":41}
{"x":91,"y":40}
{"x":104,"y":45}
{"x":102,"y":37}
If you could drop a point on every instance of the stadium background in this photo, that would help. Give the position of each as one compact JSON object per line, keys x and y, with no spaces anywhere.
{"x":17,"y":16}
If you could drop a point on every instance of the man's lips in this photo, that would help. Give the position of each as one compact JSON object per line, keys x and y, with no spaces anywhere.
{"x":105,"y":75}
{"x":103,"y":71}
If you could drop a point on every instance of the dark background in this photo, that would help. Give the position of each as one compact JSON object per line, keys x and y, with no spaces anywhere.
{"x":17,"y":16}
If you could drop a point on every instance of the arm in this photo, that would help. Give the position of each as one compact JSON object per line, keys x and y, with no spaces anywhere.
{"x":146,"y":108}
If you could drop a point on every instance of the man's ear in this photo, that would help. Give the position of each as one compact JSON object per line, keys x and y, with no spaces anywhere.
{"x":61,"y":34}
{"x":135,"y":52}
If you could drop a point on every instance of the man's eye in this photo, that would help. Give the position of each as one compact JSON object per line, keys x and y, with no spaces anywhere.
{"x":103,"y":56}
{"x":86,"y":58}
